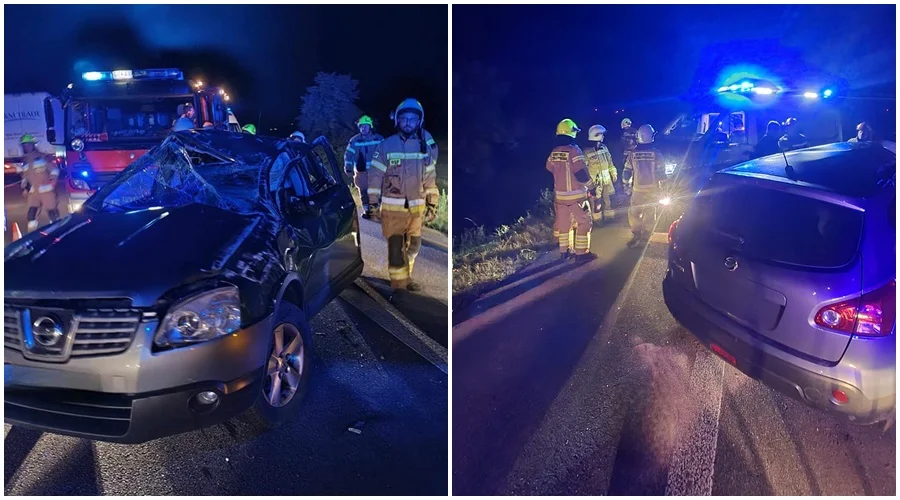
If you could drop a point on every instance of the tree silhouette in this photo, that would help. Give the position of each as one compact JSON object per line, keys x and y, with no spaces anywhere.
{"x":329,"y":109}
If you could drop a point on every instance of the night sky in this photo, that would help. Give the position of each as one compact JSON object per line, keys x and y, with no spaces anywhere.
{"x":565,"y":61}
{"x":265,"y":55}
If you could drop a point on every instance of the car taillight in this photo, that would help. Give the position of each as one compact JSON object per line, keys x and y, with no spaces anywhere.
{"x":872,"y":315}
{"x":672,"y":230}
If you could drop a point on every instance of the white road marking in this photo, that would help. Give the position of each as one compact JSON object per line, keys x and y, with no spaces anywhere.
{"x":410,"y":334}
{"x":692,"y":466}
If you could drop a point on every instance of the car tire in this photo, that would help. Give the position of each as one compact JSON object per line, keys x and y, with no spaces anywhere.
{"x":263,"y":414}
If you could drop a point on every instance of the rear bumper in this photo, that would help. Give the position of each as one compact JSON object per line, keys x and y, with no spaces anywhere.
{"x":128,"y":419}
{"x":798,"y":378}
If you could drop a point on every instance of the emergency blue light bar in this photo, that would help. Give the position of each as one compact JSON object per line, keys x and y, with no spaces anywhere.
{"x":747,"y":87}
{"x":136,"y":74}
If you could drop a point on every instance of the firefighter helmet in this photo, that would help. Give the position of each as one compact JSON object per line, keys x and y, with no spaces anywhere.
{"x":27,"y":139}
{"x":298,"y":136}
{"x":365,"y":120}
{"x":567,"y":127}
{"x":645,"y":134}
{"x":626,"y":123}
{"x":790,"y":122}
{"x":596,"y":132}
{"x":410,"y":105}
{"x":249,"y":128}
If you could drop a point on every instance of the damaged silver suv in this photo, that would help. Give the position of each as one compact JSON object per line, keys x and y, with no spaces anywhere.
{"x":179,"y":296}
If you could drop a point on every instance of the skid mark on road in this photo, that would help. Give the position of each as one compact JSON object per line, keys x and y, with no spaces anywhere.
{"x":692,"y":467}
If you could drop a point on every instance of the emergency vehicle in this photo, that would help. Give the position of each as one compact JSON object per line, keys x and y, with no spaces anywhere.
{"x":114,"y":117}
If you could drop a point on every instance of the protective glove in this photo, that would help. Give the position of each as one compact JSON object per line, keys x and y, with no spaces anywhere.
{"x":430,"y":213}
{"x":373,"y":212}
{"x":615,"y":176}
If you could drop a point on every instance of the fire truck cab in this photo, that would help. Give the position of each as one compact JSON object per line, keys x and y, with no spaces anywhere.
{"x":114,"y":117}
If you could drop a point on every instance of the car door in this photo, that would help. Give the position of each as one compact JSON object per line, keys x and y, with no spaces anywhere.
{"x":321,"y":214}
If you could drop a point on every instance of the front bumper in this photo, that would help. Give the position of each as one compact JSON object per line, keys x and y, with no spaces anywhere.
{"x":138,"y":394}
{"x":125,"y":418}
{"x":793,"y":376}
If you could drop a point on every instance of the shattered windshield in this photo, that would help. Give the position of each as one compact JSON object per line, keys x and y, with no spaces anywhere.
{"x":172,"y":176}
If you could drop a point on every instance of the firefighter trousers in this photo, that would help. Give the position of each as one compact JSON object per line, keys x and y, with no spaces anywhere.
{"x":642,"y":212}
{"x":569,"y":217}
{"x":601,"y":202}
{"x":403,"y":231}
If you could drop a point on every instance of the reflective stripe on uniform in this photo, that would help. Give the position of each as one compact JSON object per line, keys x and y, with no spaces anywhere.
{"x":579,"y":157}
{"x":393,"y":201}
{"x":380,"y":166}
{"x":416,"y":202}
{"x":374,"y":191}
{"x":570,"y":195}
{"x":429,"y":168}
{"x":430,"y":142}
{"x":368,"y":143}
{"x":350,"y":149}
{"x":398,"y":273}
{"x":406,"y":156}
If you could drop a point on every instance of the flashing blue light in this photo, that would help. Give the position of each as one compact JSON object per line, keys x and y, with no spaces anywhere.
{"x":734,"y":87}
{"x":764,"y":90}
{"x":810,"y":95}
{"x":827,"y":93}
{"x":84,"y":173}
{"x":136,"y":74}
{"x":721,"y":89}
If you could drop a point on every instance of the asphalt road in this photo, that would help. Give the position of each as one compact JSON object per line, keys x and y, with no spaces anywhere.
{"x":363,"y":377}
{"x":574,"y":379}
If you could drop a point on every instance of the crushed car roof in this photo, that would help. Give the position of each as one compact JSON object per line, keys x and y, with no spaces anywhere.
{"x":851,"y":169}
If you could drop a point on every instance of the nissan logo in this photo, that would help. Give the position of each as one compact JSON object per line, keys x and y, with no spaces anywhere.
{"x":731,"y":263}
{"x":47,"y":331}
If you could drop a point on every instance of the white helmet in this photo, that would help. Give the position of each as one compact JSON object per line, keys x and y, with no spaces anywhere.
{"x":645,"y":134}
{"x":596,"y":132}
{"x":298,"y":136}
{"x":626,"y":122}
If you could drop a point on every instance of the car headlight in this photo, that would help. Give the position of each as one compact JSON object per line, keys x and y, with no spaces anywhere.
{"x":202,"y":317}
{"x":665,"y":201}
{"x":670,"y":168}
{"x":80,"y":184}
{"x":77,"y":145}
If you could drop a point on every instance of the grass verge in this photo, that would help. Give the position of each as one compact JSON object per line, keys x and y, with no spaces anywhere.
{"x":481,"y":259}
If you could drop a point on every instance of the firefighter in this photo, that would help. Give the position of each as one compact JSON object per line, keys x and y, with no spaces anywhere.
{"x":573,"y":187}
{"x":768,"y":143}
{"x":864,"y":133}
{"x":41,"y":177}
{"x":629,"y":138}
{"x":249,"y":129}
{"x":643,"y":170}
{"x":30,"y":152}
{"x":792,"y":138}
{"x":602,"y":171}
{"x":358,"y":157}
{"x":186,"y":120}
{"x":403,"y":191}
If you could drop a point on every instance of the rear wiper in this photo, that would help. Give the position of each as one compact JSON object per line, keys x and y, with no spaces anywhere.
{"x":730,"y":236}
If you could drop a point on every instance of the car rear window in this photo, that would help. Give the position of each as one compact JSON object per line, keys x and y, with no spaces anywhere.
{"x":778,"y":226}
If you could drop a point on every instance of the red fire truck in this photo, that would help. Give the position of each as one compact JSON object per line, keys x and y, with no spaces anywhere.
{"x":114,"y":117}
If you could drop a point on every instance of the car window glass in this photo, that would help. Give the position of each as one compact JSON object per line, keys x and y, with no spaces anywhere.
{"x":316,"y":174}
{"x":782,"y":227}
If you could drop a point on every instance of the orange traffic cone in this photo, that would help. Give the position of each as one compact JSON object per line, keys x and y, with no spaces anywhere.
{"x":17,"y":233}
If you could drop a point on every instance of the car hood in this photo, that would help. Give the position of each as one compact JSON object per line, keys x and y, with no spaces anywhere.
{"x":139,"y":254}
